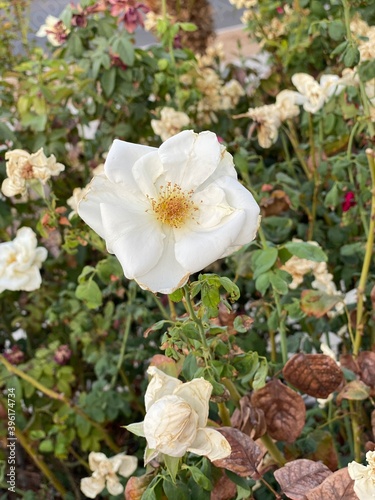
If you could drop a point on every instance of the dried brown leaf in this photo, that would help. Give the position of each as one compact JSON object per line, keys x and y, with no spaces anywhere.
{"x":366,"y":363}
{"x":354,"y":390}
{"x":316,"y":303}
{"x":317,"y":375}
{"x":249,"y":419}
{"x":245,"y":457}
{"x":276,"y":203}
{"x":224,"y":489}
{"x":136,"y":486}
{"x":337,"y":486}
{"x":299,"y":476}
{"x":284,"y":410}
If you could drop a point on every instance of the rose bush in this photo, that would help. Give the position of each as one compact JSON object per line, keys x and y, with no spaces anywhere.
{"x":261,"y":351}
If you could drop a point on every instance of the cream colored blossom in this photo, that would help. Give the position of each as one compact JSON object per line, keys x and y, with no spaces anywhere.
{"x":364,"y":477}
{"x":316,"y":94}
{"x":230,"y":94}
{"x":171,"y":122}
{"x":176,"y":419}
{"x":55,"y":31}
{"x":20,"y":261}
{"x":171,"y":211}
{"x":287,"y":103}
{"x":105,"y":473}
{"x":267,"y":119}
{"x":22,"y":167}
{"x":79,"y":193}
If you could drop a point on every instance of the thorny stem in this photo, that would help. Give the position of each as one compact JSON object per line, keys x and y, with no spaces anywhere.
{"x":40,"y":463}
{"x":273,"y":450}
{"x":367,"y":259}
{"x":60,"y":397}
{"x":312,"y":216}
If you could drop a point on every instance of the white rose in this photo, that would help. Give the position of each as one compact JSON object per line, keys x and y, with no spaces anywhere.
{"x":105,"y":472}
{"x":176,"y":419}
{"x":169,"y":212}
{"x":20,"y":261}
{"x":316,"y":94}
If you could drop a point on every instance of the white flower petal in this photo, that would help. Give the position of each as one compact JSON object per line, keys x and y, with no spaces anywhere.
{"x":211,"y":444}
{"x":196,"y":249}
{"x":189,"y":159}
{"x":95,"y":459}
{"x":197,"y":393}
{"x":168,"y":274}
{"x":128,"y":465}
{"x":148,"y":174}
{"x":160,"y":385}
{"x":120,"y":160}
{"x":170,"y":426}
{"x":91,"y":487}
{"x":114,"y":486}
{"x":130,"y":235}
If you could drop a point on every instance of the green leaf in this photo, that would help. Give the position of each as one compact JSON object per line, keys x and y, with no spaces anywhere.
{"x":366,"y":70}
{"x":177,"y":295}
{"x":278,"y":284}
{"x":263,"y":260}
{"x":188,"y":26}
{"x":305,"y":250}
{"x":317,"y":303}
{"x":230,"y":287}
{"x":46,"y":446}
{"x":108,"y":81}
{"x":351,"y":56}
{"x":107,"y":268}
{"x":263,"y":282}
{"x":199,"y":477}
{"x":173,"y":465}
{"x":332,"y":197}
{"x":336,"y":30}
{"x":125,"y":51}
{"x":90,"y":293}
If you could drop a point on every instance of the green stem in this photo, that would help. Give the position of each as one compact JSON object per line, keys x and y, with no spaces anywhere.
{"x":162,"y":309}
{"x":125,"y":336}
{"x":190,"y":309}
{"x":224,"y":415}
{"x":292,"y":135}
{"x":283,"y":342}
{"x":273,"y":450}
{"x":367,"y":259}
{"x":40,"y":463}
{"x":234,"y":394}
{"x":60,"y":397}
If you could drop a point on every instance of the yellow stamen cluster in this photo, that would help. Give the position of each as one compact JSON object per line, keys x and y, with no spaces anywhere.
{"x":173,"y":207}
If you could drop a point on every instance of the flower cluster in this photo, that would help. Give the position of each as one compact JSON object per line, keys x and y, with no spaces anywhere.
{"x":171,"y":122}
{"x":20,"y":261}
{"x":22,"y":167}
{"x":176,"y":419}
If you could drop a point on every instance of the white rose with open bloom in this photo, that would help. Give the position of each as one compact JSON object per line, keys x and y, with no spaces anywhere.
{"x":364,"y":477}
{"x":316,"y":94}
{"x":176,"y":419}
{"x":105,"y":472}
{"x":20,"y":261}
{"x":22,"y":167}
{"x":169,"y":212}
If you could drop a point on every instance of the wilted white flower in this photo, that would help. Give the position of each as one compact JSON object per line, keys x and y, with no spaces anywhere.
{"x":169,"y":212}
{"x":176,"y":419}
{"x":316,"y":94}
{"x":105,"y":472}
{"x":230,"y":94}
{"x":20,"y":261}
{"x":55,"y":31}
{"x":364,"y":477}
{"x":267,"y":120}
{"x":22,"y":166}
{"x":171,"y":122}
{"x":287,"y":103}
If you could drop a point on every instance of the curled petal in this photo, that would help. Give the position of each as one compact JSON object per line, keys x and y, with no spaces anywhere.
{"x":114,"y":486}
{"x":197,"y":393}
{"x":211,"y":444}
{"x":123,"y":464}
{"x":160,"y":385}
{"x":91,"y":487}
{"x":95,"y":459}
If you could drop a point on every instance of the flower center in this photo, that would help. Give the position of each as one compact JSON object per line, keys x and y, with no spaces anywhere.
{"x":173,"y":206}
{"x":27,"y":171}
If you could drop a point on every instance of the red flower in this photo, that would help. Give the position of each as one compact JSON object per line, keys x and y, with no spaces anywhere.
{"x":349,"y":201}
